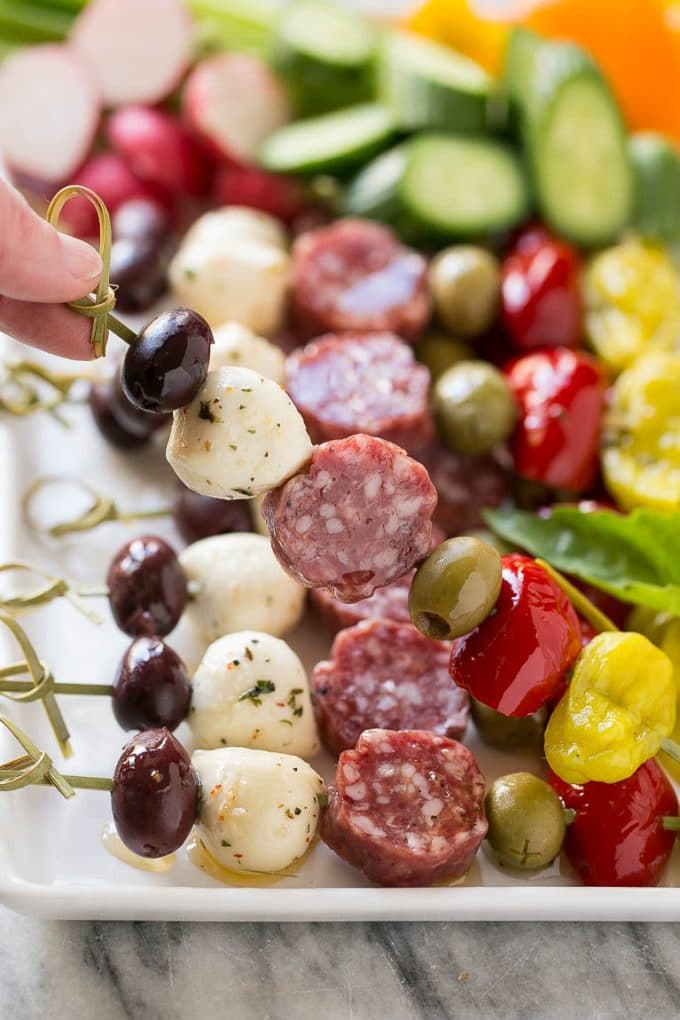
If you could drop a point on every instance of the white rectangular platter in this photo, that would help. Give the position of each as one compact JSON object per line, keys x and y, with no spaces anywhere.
{"x":52,"y":860}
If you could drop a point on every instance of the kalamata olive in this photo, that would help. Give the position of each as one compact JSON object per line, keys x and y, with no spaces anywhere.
{"x":437,"y":351}
{"x":155,"y":794}
{"x":99,"y":399}
{"x":526,"y":819}
{"x":147,"y":587}
{"x":465,"y":282}
{"x":133,"y":419}
{"x":151,"y":686}
{"x":140,"y":219}
{"x":456,"y":588}
{"x":474,"y":408}
{"x":138,"y":271}
{"x":167,"y":364}
{"x":509,"y":733}
{"x":198,"y":516}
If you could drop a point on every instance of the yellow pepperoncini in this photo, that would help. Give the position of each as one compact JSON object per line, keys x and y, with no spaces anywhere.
{"x":619,"y":707}
{"x":632,"y":302}
{"x":664,"y":631}
{"x":641,"y":435}
{"x":456,"y":23}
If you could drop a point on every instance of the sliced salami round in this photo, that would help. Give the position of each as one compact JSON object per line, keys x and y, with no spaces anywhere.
{"x":406,"y":808}
{"x":388,"y":603}
{"x":465,"y":486}
{"x":361,"y":382}
{"x":385,"y":675}
{"x":355,"y":276}
{"x":357,"y":517}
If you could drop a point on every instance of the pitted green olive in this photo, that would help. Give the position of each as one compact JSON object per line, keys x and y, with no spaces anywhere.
{"x":526,"y":819}
{"x":473,"y":407}
{"x":508,"y":733}
{"x":465,"y":282}
{"x":456,"y":588}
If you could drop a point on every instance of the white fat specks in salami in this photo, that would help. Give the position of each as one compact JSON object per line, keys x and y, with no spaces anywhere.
{"x":406,"y":808}
{"x":354,"y":275}
{"x":388,"y":676}
{"x":356,"y":518}
{"x":361,"y":382}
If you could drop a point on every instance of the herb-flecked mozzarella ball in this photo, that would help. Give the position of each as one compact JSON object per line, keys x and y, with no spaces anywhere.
{"x":240,"y":586}
{"x":251,"y":690}
{"x":259,"y":810}
{"x":235,"y":344}
{"x":233,"y":223}
{"x":240,"y":437}
{"x":233,"y":266}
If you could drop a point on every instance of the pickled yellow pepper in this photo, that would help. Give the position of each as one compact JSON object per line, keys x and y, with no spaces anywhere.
{"x":617,"y":712}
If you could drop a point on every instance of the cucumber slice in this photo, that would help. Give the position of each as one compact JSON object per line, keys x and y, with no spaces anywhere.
{"x":444,"y":187}
{"x":523,"y":46}
{"x":430,"y":86}
{"x":326,"y":55}
{"x":656,"y":164}
{"x":329,"y":143}
{"x":576,"y":146}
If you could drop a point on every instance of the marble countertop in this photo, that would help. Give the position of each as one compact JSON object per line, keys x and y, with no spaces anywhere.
{"x":147,"y":971}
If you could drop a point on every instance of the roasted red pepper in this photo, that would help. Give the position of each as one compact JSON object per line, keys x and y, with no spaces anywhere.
{"x":560,"y":394}
{"x":541,"y":292}
{"x":516,"y":660}
{"x":255,"y":188}
{"x":617,"y":836}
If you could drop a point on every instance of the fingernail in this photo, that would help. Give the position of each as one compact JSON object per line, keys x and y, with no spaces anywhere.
{"x":80,"y":258}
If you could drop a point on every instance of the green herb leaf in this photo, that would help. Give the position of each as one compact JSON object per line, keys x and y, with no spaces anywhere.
{"x":635,"y":556}
{"x":255,"y":693}
{"x":322,"y":799}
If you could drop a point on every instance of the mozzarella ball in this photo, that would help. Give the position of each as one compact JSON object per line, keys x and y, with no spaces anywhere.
{"x":240,"y":586}
{"x":236,"y":345}
{"x":259,"y":810}
{"x":236,"y":223}
{"x":251,"y":690}
{"x":233,"y":266}
{"x":240,"y":436}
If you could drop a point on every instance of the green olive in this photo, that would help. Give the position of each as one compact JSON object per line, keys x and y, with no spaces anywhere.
{"x":437,"y":351}
{"x":465,"y":282}
{"x":527,"y":822}
{"x":456,"y":588}
{"x":474,"y":407}
{"x":506,"y":732}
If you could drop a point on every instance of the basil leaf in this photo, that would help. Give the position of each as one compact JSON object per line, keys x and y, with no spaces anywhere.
{"x":635,"y":556}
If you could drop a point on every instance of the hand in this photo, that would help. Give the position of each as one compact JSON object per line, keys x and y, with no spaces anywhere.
{"x":41,"y":268}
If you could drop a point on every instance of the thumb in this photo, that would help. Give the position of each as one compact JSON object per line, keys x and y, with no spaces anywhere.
{"x":37,"y":263}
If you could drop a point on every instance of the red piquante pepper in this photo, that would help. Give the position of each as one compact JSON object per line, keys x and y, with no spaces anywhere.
{"x":617,"y":836}
{"x":561,"y":396}
{"x":541,"y":292}
{"x":516,"y":660}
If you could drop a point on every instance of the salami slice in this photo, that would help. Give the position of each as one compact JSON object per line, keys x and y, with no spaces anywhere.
{"x":406,"y":808}
{"x":357,"y":517}
{"x":355,"y":276}
{"x":385,"y":675}
{"x":388,"y":603}
{"x":465,"y":486}
{"x":361,"y":382}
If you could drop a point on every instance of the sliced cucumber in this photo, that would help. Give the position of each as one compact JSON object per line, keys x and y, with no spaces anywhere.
{"x":429,"y":86}
{"x":576,"y":145}
{"x":523,"y":46}
{"x":656,"y":163}
{"x":329,"y":143}
{"x":444,"y":187}
{"x":326,"y":55}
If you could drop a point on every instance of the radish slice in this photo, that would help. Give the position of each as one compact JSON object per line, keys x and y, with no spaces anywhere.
{"x":49,"y":112}
{"x":235,"y":101}
{"x":138,"y":49}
